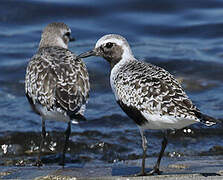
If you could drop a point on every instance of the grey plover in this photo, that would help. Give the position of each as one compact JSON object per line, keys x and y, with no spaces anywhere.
{"x":56,"y":82}
{"x":148,"y":94}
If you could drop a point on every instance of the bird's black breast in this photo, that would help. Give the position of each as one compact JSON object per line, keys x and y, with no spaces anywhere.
{"x":133,"y":113}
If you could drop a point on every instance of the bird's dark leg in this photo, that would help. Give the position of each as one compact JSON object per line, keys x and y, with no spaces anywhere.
{"x":156,"y":167}
{"x":43,"y":136}
{"x":67,"y":133}
{"x":144,"y":146}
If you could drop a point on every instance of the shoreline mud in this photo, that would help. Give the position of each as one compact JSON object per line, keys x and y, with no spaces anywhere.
{"x":207,"y":167}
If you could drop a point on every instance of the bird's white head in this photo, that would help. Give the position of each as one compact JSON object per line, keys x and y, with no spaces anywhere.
{"x":113,"y":48}
{"x":56,"y":34}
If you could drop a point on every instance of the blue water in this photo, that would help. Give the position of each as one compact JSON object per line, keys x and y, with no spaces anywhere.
{"x":184,"y":37}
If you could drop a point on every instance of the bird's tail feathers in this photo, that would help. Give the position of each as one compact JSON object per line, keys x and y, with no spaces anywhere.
{"x":78,"y":118}
{"x":207,"y":120}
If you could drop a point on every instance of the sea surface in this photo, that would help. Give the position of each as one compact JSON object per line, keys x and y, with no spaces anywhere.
{"x":184,"y":37}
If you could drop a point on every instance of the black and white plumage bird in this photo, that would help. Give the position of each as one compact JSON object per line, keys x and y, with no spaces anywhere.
{"x":148,"y":94}
{"x":57,"y":83}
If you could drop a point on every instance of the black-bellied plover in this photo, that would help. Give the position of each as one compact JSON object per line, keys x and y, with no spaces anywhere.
{"x":57,"y":83}
{"x":148,"y":94}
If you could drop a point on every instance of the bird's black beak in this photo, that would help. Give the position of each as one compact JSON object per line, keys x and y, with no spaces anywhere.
{"x":71,"y":39}
{"x":87,"y":54}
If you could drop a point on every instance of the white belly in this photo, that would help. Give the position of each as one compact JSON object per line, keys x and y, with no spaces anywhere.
{"x":166,"y":122}
{"x":53,"y":115}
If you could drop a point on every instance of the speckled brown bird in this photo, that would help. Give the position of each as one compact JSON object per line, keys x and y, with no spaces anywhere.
{"x":57,"y":83}
{"x":148,"y":94}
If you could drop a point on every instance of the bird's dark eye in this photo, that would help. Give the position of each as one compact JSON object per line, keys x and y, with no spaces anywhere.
{"x":109,"y":45}
{"x":67,"y":34}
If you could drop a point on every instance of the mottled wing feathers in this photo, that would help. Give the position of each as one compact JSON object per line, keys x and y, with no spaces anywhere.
{"x":56,"y":79}
{"x":71,"y":91}
{"x":152,"y":90}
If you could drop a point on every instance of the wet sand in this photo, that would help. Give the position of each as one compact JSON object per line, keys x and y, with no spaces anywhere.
{"x":199,"y":168}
